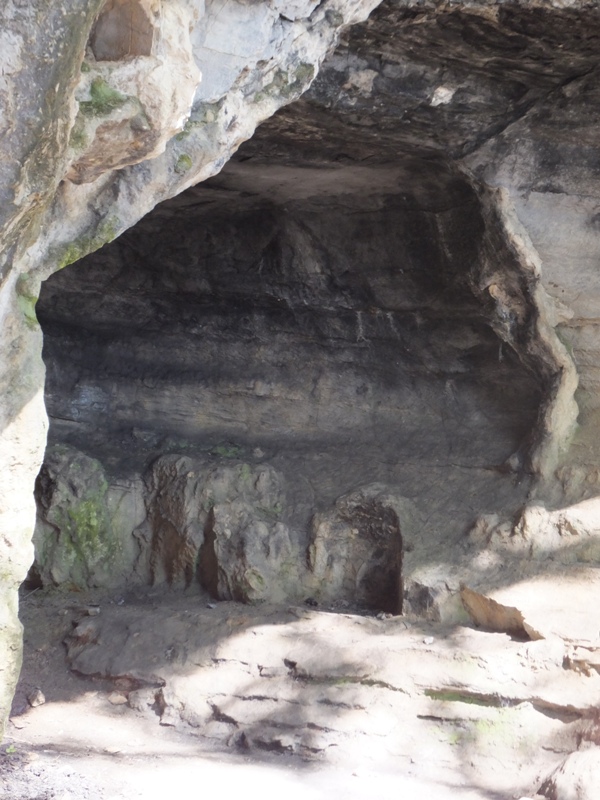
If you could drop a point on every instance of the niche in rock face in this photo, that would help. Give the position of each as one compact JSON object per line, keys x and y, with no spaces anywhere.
{"x":123,"y":30}
{"x":290,"y":358}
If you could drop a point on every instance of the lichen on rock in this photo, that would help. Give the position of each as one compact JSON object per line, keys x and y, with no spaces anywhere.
{"x":83,"y":537}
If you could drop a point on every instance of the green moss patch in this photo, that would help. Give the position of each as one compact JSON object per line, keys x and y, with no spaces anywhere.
{"x":26,"y":301}
{"x":104,"y":99}
{"x":184,"y":164}
{"x":287,"y":85}
{"x":205,"y":114}
{"x":246,"y":473}
{"x":273,"y":512}
{"x":78,"y":544}
{"x":227,"y":451}
{"x":78,"y":139}
{"x":487,"y":701}
{"x":348,"y":680}
{"x":87,"y":527}
{"x":106,"y":231}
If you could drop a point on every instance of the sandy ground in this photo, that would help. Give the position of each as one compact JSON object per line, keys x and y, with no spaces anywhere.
{"x":298,"y":703}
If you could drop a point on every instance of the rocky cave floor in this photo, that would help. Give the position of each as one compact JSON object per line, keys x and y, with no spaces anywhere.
{"x":155,"y":692}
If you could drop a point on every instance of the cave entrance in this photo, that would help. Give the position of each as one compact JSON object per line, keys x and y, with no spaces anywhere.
{"x":282,"y":336}
{"x":337,"y":321}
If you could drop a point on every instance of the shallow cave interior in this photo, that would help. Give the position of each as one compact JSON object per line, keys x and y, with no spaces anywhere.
{"x":305,"y":346}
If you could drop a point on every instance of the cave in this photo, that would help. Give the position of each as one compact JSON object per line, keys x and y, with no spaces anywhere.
{"x":344,"y":318}
{"x":311,"y":292}
{"x":312,"y":323}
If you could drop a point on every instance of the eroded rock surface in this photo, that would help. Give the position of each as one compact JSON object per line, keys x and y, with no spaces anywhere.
{"x":84,"y":536}
{"x":220,"y":526}
{"x":392,"y":283}
{"x":356,"y":550}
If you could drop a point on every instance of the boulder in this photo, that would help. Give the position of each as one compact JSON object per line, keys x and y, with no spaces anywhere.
{"x":221,"y":524}
{"x":84,"y":532}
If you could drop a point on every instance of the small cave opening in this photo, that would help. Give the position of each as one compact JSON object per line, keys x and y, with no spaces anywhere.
{"x":208,"y":564}
{"x":379,"y":580}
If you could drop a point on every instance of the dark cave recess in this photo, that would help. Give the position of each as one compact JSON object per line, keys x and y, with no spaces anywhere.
{"x":266,"y":319}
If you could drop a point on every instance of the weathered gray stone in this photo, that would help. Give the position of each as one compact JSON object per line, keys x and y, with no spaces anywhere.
{"x":221,"y":526}
{"x":84,"y":536}
{"x":253,"y":553}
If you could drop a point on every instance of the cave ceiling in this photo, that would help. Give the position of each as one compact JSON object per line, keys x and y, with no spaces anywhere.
{"x":420,"y":89}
